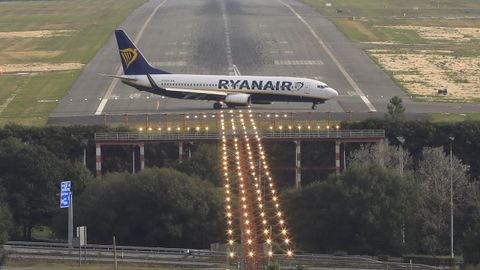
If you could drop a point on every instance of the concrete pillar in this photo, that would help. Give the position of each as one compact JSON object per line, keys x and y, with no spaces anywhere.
{"x":142,"y":156}
{"x":180,"y":152}
{"x":337,"y":157}
{"x":98,"y":160}
{"x":298,"y":164}
{"x":133,"y":159}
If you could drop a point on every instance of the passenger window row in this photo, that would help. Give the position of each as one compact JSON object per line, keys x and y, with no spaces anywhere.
{"x":188,"y":84}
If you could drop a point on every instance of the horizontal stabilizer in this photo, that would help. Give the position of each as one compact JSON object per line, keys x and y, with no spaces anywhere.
{"x":121,"y":77}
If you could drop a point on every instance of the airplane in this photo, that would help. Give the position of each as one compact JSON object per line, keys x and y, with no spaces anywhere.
{"x":231,"y":90}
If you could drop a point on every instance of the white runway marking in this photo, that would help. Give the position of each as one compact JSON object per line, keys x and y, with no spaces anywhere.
{"x":334,"y":59}
{"x":298,"y":62}
{"x":227,"y":40}
{"x":170,"y":63}
{"x":119,"y":69}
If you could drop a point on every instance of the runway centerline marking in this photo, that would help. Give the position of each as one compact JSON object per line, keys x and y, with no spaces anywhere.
{"x":119,"y":69}
{"x":298,"y":62}
{"x":227,"y":40}
{"x":334,"y":59}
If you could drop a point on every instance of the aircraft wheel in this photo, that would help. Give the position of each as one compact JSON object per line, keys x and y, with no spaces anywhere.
{"x":314,"y":106}
{"x":217,"y":105}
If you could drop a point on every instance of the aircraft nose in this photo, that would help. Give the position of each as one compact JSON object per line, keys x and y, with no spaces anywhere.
{"x":332,"y":92}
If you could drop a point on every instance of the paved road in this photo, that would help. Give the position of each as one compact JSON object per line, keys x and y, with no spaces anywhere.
{"x":271,"y":37}
{"x":25,"y":257}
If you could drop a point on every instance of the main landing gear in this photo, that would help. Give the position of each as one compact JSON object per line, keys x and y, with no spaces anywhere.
{"x":217,"y":105}
{"x":314,"y":106}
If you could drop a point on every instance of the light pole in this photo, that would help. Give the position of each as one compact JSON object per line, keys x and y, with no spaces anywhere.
{"x":402,"y":141}
{"x":451,"y":196}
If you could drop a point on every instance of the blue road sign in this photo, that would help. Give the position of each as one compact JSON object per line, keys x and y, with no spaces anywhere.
{"x":65,"y":199}
{"x":65,"y":186}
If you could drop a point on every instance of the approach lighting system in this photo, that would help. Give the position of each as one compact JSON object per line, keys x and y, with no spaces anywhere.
{"x":254,"y":218}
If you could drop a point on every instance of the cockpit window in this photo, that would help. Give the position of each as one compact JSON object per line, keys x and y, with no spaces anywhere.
{"x":322,"y":86}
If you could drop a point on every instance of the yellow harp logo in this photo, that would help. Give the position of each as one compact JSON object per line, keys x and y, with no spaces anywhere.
{"x":129,"y":55}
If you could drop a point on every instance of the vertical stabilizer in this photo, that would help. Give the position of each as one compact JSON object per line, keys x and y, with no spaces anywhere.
{"x":132,"y":59}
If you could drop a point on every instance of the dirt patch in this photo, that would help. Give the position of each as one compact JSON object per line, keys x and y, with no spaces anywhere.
{"x":26,"y":56}
{"x":381,"y":43}
{"x":375,"y":51}
{"x":422,"y":73}
{"x":38,"y":67}
{"x":457,"y":34}
{"x":36,"y":34}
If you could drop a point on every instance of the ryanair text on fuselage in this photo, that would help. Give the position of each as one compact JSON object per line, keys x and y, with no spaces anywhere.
{"x":258,"y":85}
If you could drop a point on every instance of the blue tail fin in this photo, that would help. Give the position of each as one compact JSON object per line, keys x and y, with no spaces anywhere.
{"x":132,"y":59}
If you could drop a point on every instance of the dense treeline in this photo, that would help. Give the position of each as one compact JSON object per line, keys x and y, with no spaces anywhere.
{"x":154,"y":207}
{"x":360,"y":212}
{"x":375,"y":206}
{"x":419,"y":134}
{"x":369,"y":209}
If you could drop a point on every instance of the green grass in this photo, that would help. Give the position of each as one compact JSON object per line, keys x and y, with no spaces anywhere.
{"x":359,"y":20}
{"x":92,"y":22}
{"x":453,"y":117}
{"x":358,"y":17}
{"x":42,"y":233}
{"x":27,"y":109}
{"x":390,"y":8}
{"x":9,"y":84}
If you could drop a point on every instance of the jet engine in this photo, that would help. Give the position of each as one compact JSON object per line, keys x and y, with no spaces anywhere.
{"x":237,"y":99}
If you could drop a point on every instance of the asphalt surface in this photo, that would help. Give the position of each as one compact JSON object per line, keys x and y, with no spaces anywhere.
{"x":271,"y":37}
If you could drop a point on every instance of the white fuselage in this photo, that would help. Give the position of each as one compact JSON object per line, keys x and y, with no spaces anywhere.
{"x":263,"y":87}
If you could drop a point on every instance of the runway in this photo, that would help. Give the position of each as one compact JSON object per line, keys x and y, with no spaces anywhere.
{"x":271,"y":37}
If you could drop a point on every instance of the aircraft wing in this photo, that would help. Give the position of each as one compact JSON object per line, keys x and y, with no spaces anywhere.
{"x":195,"y":94}
{"x":121,"y":77}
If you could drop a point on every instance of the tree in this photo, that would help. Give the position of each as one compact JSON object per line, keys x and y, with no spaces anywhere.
{"x":471,"y":247}
{"x":156,"y":207}
{"x":31,"y":176}
{"x":204,"y":163}
{"x":433,"y":178}
{"x":5,"y":224}
{"x":383,"y":154}
{"x":358,"y":212}
{"x":395,"y":109}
